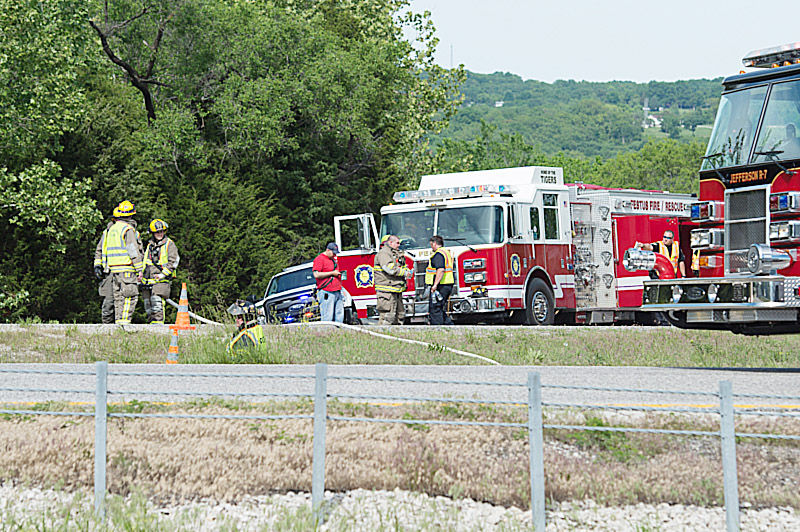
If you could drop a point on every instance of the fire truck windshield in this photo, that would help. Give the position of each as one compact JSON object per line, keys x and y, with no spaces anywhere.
{"x":778,"y":137}
{"x":466,"y":225}
{"x":472,"y":225}
{"x":413,"y":228}
{"x":734,"y":129}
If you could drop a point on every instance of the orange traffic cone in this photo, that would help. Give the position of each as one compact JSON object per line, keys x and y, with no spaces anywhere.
{"x":172,"y":354}
{"x":182,"y":321}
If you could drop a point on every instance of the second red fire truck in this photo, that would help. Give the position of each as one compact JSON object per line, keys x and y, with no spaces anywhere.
{"x":748,"y":239}
{"x":527,"y":247}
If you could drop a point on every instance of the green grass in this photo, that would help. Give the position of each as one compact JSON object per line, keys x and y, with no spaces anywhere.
{"x":606,"y":346}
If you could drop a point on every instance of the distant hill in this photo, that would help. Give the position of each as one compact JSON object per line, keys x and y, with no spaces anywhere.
{"x":586,"y":119}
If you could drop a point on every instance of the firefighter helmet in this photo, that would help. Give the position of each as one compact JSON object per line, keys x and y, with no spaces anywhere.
{"x":158,"y":225}
{"x":124,"y":210}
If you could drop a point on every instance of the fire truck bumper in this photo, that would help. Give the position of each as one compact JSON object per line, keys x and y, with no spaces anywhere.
{"x":472,"y":305}
{"x":743,"y":299}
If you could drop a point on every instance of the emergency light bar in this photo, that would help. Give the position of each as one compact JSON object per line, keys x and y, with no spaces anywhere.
{"x":706,"y":210}
{"x":410,"y":196}
{"x":786,"y":54}
{"x":784,"y":201}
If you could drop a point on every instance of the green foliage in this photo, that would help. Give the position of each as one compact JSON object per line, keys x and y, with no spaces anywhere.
{"x":580,"y":119}
{"x":665,"y":165}
{"x":254,"y":132}
{"x":11,"y":302}
{"x":43,"y":51}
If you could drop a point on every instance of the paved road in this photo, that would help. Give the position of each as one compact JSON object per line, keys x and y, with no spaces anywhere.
{"x":226,"y":379}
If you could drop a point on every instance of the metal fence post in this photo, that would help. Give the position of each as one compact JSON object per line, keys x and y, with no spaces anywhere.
{"x":320,"y":418}
{"x":536,"y":450}
{"x":728,"y":439}
{"x":100,"y":435}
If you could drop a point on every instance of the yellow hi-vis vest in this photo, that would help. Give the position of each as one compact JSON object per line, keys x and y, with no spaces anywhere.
{"x":673,"y":257}
{"x":430,"y":271}
{"x":115,"y":251}
{"x":163,"y":259}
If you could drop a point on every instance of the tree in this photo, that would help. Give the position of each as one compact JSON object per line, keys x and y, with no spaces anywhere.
{"x":42,"y":55}
{"x":666,"y":165}
{"x":247,"y":136}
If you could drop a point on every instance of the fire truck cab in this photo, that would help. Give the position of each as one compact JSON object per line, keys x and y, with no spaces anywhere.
{"x":527,"y":248}
{"x":748,"y":210}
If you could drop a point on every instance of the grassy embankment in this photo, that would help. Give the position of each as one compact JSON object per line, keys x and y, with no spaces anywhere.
{"x":587,"y":346}
{"x":189,"y":459}
{"x":229,"y":460}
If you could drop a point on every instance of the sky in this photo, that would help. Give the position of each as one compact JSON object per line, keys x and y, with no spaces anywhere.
{"x":605,"y":40}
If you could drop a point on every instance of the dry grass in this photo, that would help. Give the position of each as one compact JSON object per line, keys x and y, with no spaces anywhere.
{"x":611,"y":346}
{"x":226,"y":460}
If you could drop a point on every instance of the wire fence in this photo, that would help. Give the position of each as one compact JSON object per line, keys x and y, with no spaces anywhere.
{"x":535,"y":425}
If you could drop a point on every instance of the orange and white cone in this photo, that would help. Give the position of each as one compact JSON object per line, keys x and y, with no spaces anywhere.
{"x":172,"y":354}
{"x":182,"y":321}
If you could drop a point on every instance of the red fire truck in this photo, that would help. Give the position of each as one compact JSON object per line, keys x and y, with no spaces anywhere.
{"x":748,"y":210}
{"x":527,"y":248}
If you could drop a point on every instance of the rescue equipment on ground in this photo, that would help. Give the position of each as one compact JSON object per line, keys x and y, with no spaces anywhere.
{"x":250,"y":333}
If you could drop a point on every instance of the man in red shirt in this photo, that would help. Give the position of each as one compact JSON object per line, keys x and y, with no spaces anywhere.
{"x":329,"y":284}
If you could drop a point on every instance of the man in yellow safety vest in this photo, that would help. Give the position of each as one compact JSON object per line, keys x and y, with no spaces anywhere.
{"x":122,"y":258}
{"x":440,"y":280}
{"x":670,"y":249}
{"x":106,"y":289}
{"x":161,"y":258}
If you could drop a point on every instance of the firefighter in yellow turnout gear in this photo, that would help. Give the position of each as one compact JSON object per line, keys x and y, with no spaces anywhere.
{"x":161,"y":259}
{"x":121,"y":256}
{"x":390,"y":281}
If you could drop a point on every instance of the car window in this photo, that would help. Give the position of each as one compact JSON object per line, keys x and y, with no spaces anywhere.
{"x":290,"y":281}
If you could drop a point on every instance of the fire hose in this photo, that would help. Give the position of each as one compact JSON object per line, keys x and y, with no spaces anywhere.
{"x":407,"y":340}
{"x":195,"y":316}
{"x":361,"y":330}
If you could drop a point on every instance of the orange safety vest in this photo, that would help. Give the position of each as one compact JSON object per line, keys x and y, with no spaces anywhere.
{"x":673,"y":257}
{"x":430,"y":271}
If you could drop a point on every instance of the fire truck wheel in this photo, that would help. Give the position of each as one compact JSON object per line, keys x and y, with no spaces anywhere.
{"x":540,"y":306}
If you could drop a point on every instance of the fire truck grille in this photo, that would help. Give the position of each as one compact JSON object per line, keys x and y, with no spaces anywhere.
{"x":419,"y":277}
{"x":747,"y":204}
{"x":746,"y":223}
{"x":748,"y":233}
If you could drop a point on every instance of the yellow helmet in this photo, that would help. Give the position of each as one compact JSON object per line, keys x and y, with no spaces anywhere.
{"x":124,"y":209}
{"x":384,"y":239}
{"x":158,"y":225}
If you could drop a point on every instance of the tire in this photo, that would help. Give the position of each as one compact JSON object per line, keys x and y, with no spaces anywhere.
{"x":539,"y":304}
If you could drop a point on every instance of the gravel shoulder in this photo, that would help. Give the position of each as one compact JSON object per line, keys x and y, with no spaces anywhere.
{"x":369,"y":511}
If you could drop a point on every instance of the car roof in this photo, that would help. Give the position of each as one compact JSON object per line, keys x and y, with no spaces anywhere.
{"x":303,"y":266}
